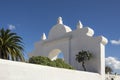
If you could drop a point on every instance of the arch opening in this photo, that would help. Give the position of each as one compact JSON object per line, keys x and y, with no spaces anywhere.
{"x":55,"y":54}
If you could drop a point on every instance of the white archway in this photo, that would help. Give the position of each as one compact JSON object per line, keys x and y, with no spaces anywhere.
{"x":62,"y":38}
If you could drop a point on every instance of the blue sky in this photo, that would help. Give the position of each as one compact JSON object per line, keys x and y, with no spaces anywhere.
{"x":30,"y":18}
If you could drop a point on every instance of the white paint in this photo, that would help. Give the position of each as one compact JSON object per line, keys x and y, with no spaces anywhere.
{"x":110,"y":77}
{"x":53,"y":54}
{"x":10,"y":70}
{"x":43,"y":37}
{"x":58,"y":31}
{"x":79,"y":25}
{"x":60,"y":20}
{"x":70,"y":42}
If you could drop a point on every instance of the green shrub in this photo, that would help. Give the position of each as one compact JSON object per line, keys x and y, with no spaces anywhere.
{"x":61,"y":64}
{"x":46,"y":61}
{"x":40,"y":60}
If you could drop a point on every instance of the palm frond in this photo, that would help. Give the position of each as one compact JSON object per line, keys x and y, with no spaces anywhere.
{"x":11,"y":45}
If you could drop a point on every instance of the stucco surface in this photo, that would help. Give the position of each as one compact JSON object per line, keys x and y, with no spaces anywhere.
{"x":10,"y":70}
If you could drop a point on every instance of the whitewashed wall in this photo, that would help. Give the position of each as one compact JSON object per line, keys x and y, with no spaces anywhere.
{"x":62,"y":38}
{"x":10,"y":70}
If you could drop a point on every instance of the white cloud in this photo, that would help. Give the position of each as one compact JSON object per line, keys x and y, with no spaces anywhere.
{"x":11,"y":27}
{"x":116,"y":42}
{"x":113,"y":62}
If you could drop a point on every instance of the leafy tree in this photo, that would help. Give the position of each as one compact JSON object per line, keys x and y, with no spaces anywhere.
{"x":11,"y":47}
{"x":46,"y":61}
{"x":83,"y":56}
{"x":108,"y":69}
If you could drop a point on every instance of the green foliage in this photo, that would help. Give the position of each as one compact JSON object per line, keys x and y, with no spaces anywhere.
{"x":46,"y":61}
{"x":11,"y":47}
{"x":40,"y":60}
{"x":83,"y":56}
{"x":61,"y":64}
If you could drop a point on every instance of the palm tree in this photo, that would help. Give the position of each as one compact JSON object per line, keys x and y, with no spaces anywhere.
{"x":108,"y":69}
{"x":11,"y":47}
{"x":83,"y":56}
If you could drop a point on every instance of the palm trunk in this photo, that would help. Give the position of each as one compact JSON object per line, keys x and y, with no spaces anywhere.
{"x":83,"y":65}
{"x":0,"y":54}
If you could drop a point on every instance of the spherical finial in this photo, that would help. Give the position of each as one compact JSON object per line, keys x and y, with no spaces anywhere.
{"x":79,"y":25}
{"x":60,"y":20}
{"x":43,"y":37}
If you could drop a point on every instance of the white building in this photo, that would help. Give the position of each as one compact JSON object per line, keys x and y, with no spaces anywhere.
{"x":61,"y":38}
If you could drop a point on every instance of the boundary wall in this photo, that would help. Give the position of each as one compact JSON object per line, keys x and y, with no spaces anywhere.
{"x":11,"y":70}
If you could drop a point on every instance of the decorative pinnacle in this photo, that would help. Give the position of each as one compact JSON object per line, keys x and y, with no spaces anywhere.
{"x":79,"y":25}
{"x":43,"y":37}
{"x":60,"y":20}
